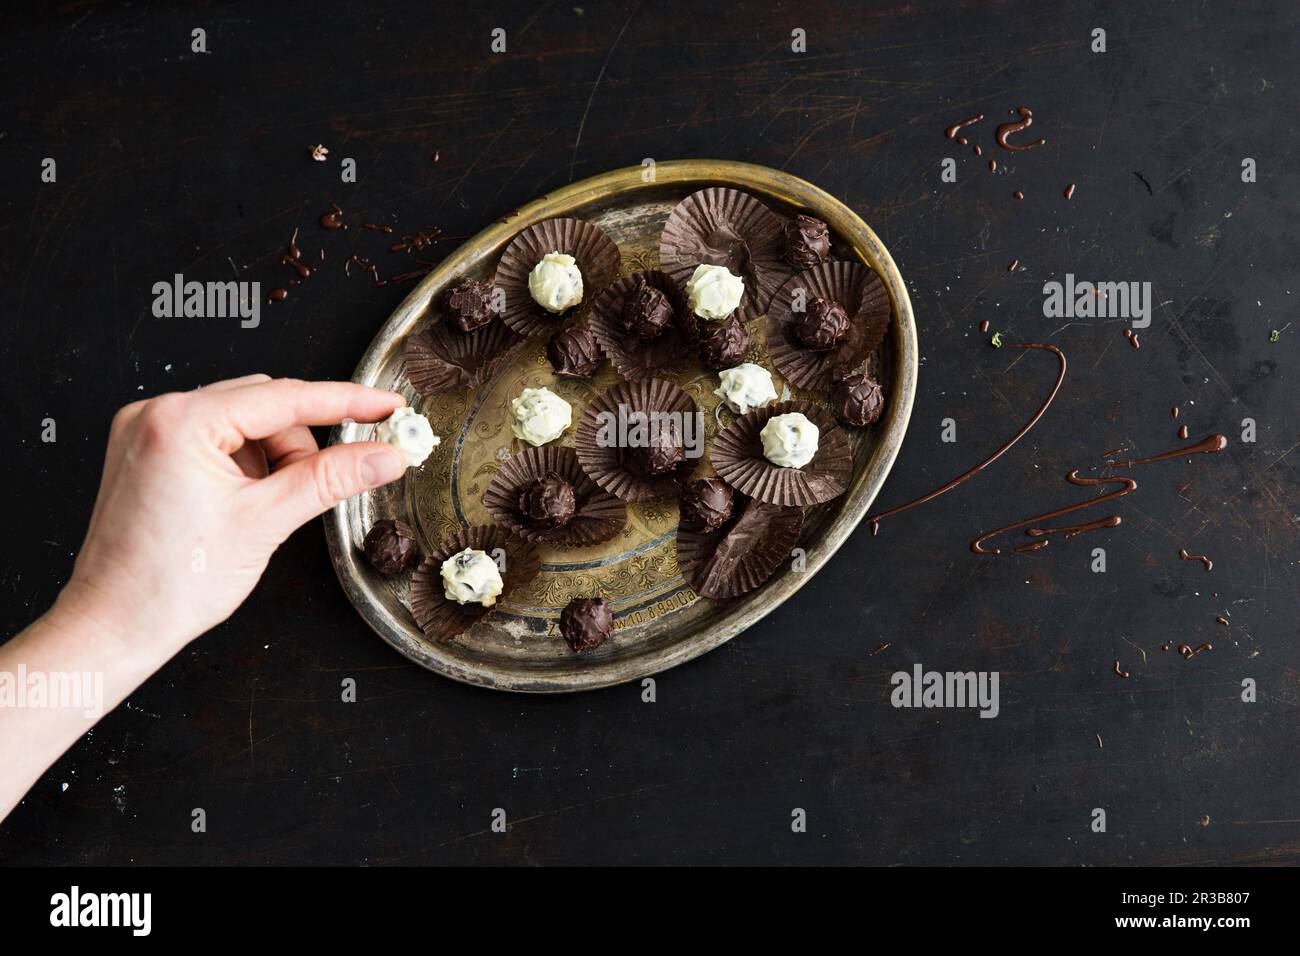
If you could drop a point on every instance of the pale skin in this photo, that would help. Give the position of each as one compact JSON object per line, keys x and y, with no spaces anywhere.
{"x":198,"y":490}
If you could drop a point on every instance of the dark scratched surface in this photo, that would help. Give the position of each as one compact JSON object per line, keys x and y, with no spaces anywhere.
{"x":171,"y":161}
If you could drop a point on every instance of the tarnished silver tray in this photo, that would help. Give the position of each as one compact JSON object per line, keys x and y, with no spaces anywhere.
{"x":660,"y":621}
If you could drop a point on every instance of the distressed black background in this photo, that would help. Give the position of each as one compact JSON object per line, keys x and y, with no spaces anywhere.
{"x":170,"y":161}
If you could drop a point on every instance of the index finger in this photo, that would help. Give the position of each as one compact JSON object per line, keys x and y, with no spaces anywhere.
{"x":263,"y":409}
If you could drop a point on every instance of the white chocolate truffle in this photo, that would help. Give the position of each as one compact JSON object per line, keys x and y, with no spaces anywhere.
{"x":540,"y":416}
{"x":556,"y":282}
{"x":471,"y":577}
{"x":789,"y":441}
{"x":746,"y":386}
{"x":714,"y":292}
{"x":410,"y":433}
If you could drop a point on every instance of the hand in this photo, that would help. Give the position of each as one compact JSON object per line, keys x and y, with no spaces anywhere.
{"x":199,"y":488}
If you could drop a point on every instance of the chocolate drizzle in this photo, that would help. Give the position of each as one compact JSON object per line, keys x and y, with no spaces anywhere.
{"x":952,"y":131}
{"x":1010,"y":129}
{"x":1006,"y":446}
{"x":1040,"y":534}
{"x":1208,"y":564}
{"x":333,"y":219}
{"x":1209,"y":445}
{"x":366,"y":264}
{"x":1127,"y":486}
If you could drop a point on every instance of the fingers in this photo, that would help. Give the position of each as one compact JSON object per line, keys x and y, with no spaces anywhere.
{"x":293,"y":444}
{"x":229,"y":383}
{"x":262,"y":409}
{"x":311,"y":486}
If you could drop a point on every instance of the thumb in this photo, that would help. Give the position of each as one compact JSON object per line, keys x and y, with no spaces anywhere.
{"x":311,"y":486}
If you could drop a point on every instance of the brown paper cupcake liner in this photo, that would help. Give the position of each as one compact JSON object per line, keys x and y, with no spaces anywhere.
{"x":635,"y":358}
{"x":737,"y":456}
{"x":441,"y":619}
{"x":726,"y":227}
{"x":862,"y":294}
{"x":741,"y":556}
{"x":441,"y":357}
{"x":609,"y":464}
{"x":599,"y":516}
{"x":596,"y":254}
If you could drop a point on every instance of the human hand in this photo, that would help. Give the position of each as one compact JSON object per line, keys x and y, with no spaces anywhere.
{"x":200,"y":488}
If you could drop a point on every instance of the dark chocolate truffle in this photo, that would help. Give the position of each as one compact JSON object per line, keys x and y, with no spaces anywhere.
{"x":707,"y":504}
{"x":858,"y":400}
{"x":585,"y":623}
{"x":573,"y":352}
{"x":822,"y":326}
{"x":646,"y":310}
{"x":390,"y":546}
{"x":723,"y":344}
{"x":548,"y":502}
{"x":470,"y":305}
{"x":807,"y":241}
{"x":663,"y":450}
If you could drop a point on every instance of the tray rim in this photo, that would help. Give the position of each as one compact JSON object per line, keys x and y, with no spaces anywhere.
{"x":765,"y":182}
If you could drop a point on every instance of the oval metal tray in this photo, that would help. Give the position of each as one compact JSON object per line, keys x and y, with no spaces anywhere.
{"x":660,"y":621}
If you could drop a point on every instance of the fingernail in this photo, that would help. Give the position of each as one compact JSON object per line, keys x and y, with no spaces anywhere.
{"x":381,"y":468}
